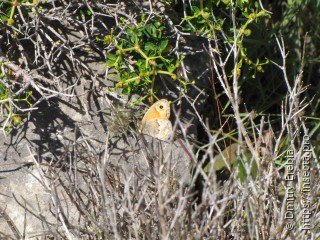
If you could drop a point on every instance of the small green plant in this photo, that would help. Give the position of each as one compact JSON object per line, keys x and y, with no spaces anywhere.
{"x":6,"y":12}
{"x":9,"y":7}
{"x":202,"y":22}
{"x":141,"y":55}
{"x":11,"y":114}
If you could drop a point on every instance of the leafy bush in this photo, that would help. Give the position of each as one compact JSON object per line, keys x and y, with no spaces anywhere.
{"x":141,"y":55}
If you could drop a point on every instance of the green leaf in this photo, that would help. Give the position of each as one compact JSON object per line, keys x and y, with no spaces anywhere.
{"x":151,"y":31}
{"x":171,"y":67}
{"x":149,"y":46}
{"x":3,"y":91}
{"x":3,"y":18}
{"x":195,"y":9}
{"x":163,"y":44}
{"x":112,"y":59}
{"x":227,"y":156}
{"x":131,"y":35}
{"x":242,"y":175}
{"x":224,"y":159}
{"x":126,"y":90}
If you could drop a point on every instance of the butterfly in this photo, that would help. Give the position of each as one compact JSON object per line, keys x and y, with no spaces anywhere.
{"x":156,"y":121}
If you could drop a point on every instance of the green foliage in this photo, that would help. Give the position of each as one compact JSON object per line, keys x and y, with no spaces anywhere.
{"x":8,"y":9}
{"x":4,"y":92}
{"x":5,"y":12}
{"x":142,"y":54}
{"x":11,"y":114}
{"x":228,"y":159}
{"x":299,"y":18}
{"x":84,"y":14}
{"x":252,"y":166}
{"x":202,"y":22}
